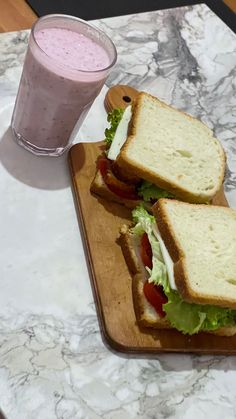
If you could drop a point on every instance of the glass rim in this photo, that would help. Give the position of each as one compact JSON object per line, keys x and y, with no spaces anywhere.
{"x":70,"y":17}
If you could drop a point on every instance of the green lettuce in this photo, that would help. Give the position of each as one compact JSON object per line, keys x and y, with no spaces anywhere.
{"x":193,"y":318}
{"x":148,"y":191}
{"x":186,"y":317}
{"x":114,"y":119}
{"x":144,"y":223}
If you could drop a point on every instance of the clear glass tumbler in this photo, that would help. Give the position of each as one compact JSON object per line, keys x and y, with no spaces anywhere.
{"x":66,"y":65}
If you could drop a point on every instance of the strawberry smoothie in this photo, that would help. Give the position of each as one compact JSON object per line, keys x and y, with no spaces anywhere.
{"x":66,"y":65}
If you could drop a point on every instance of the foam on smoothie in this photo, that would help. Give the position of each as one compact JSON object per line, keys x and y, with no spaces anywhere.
{"x":72,"y":49}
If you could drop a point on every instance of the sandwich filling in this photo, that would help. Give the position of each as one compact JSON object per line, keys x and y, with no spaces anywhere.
{"x":115,"y":137}
{"x":160,"y":289}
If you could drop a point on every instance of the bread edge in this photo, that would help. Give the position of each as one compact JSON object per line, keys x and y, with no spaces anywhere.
{"x":98,"y":187}
{"x":138,"y":170}
{"x":137,"y":284}
{"x":178,"y":257}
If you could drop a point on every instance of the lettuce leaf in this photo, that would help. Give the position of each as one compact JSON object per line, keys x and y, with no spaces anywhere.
{"x":144,"y":223}
{"x":114,"y":119}
{"x":149,"y":191}
{"x":143,"y":220}
{"x":186,"y":317}
{"x":192,"y":318}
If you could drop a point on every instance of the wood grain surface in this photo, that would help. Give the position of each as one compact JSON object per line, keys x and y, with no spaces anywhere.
{"x":119,"y":96}
{"x":17,"y":14}
{"x":100,"y":222}
{"x":231,"y":4}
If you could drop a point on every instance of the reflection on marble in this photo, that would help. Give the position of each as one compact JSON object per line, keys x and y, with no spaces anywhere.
{"x":53,"y":363}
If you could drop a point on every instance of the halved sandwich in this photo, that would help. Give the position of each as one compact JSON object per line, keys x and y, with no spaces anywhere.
{"x":154,"y":151}
{"x":183,"y":265}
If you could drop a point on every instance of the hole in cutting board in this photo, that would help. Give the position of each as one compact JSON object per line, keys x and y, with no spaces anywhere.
{"x":126,"y":99}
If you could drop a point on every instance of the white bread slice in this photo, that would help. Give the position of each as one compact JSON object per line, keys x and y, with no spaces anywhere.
{"x":201,"y":240}
{"x":146,"y":315}
{"x":99,"y":187}
{"x":173,"y":150}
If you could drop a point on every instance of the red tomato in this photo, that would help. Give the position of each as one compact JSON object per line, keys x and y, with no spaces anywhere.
{"x":115,"y":185}
{"x":103,"y":166}
{"x":123,"y":193}
{"x":155,"y":296}
{"x":124,"y":175}
{"x":146,"y":251}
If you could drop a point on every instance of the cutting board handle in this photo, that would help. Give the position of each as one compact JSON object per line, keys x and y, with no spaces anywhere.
{"x":119,"y":96}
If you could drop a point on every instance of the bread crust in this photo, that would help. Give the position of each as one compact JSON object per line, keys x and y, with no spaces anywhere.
{"x":140,"y":309}
{"x":124,"y":161}
{"x":138,"y":279}
{"x":139,"y":300}
{"x":177,"y":254}
{"x":128,"y":250}
{"x":224,"y":331}
{"x":99,"y":187}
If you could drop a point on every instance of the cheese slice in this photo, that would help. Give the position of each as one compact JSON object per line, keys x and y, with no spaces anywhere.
{"x":120,"y":134}
{"x":167,"y":259}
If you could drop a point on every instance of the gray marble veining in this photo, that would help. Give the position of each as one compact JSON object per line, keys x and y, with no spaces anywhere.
{"x":188,"y":58}
{"x":53,"y":363}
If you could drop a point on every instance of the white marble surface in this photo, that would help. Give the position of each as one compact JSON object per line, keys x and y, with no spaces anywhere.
{"x":53,"y":363}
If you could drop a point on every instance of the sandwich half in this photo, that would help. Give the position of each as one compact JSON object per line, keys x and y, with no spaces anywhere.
{"x":156,"y":151}
{"x":183,"y":265}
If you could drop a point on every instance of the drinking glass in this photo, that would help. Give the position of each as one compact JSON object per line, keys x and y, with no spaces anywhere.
{"x":66,"y":65}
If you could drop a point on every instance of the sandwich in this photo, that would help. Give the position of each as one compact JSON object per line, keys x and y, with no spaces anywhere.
{"x":155,"y":151}
{"x":182,"y":260}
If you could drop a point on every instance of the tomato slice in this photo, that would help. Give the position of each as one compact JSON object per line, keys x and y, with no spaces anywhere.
{"x":115,"y":185}
{"x":112,"y":180}
{"x":123,"y":194}
{"x":146,"y":251}
{"x":155,"y":296}
{"x":103,"y":166}
{"x":123,"y":175}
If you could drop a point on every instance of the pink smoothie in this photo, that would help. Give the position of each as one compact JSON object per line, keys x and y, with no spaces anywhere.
{"x":72,"y":49}
{"x":60,"y":80}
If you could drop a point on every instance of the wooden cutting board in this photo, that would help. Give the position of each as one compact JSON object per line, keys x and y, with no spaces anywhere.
{"x":100,"y":222}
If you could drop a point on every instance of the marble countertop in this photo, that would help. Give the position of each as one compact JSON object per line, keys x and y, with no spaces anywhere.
{"x":53,"y":363}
